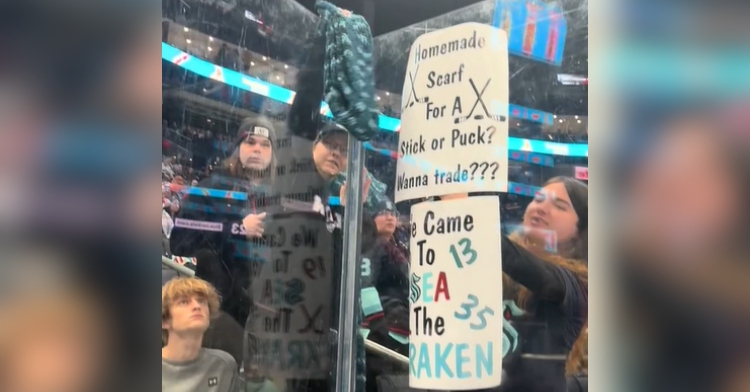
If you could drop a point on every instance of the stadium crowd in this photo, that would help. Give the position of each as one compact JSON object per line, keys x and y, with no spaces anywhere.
{"x":235,"y":216}
{"x":219,"y":243}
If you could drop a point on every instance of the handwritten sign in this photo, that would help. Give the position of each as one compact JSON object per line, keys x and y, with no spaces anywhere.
{"x":456,"y":295}
{"x":454,"y":121}
{"x":292,"y":288}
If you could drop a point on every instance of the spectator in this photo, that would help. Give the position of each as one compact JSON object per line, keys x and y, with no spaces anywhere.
{"x":240,"y":223}
{"x":330,"y":150}
{"x":167,"y":224}
{"x":385,"y":289}
{"x":329,"y":153}
{"x":188,"y":304}
{"x":545,"y":276}
{"x":171,"y":194}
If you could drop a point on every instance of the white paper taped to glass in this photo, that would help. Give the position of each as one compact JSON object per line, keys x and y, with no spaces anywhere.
{"x":456,"y":295}
{"x":454,"y":119}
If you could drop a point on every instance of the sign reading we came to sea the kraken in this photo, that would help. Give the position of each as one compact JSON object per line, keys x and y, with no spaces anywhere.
{"x":456,"y":295}
{"x":291,"y":287}
{"x":454,"y":117}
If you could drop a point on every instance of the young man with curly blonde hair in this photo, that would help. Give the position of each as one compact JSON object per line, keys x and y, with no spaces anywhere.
{"x":187,"y":307}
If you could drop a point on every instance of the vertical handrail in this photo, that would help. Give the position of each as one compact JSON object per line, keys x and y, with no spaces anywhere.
{"x":346,"y":360}
{"x":348,"y":329}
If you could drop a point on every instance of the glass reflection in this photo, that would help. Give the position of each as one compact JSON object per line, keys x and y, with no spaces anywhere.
{"x":255,"y":195}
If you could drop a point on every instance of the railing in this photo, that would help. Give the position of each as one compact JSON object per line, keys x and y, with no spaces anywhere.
{"x":181,"y":269}
{"x":369,"y":345}
{"x":179,"y":140}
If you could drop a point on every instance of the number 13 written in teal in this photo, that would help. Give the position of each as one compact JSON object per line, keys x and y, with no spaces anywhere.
{"x":466,"y":253}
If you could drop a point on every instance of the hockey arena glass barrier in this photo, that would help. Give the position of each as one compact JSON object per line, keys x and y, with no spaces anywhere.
{"x":322,"y":276}
{"x":386,"y":123}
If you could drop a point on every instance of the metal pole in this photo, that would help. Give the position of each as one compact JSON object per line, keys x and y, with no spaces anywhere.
{"x":387,"y":353}
{"x":346,"y":353}
{"x":346,"y":358}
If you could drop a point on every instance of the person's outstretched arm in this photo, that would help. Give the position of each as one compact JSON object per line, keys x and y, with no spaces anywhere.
{"x":548,"y":282}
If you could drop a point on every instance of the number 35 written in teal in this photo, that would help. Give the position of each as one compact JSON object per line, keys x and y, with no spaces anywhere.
{"x":467,"y":309}
{"x":467,"y":251}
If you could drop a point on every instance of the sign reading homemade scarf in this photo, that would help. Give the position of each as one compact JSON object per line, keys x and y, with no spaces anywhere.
{"x":454,"y":120}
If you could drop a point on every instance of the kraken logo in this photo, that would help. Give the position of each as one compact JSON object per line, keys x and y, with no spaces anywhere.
{"x":416,"y":292}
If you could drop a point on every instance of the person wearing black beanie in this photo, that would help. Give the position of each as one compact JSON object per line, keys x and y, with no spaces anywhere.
{"x":221,"y":230}
{"x":253,"y":157}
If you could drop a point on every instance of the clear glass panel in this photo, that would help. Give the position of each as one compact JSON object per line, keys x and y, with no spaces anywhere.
{"x":250,"y":209}
{"x":256,"y":203}
{"x":547,"y":139}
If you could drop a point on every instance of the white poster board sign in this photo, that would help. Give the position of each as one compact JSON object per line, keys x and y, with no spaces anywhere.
{"x":454,"y":118}
{"x":456,"y":295}
{"x":292,"y":289}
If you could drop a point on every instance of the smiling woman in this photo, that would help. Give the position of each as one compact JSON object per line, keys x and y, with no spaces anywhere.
{"x":559,"y":213}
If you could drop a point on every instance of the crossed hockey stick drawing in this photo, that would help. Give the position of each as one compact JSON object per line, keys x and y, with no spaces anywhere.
{"x":480,"y":101}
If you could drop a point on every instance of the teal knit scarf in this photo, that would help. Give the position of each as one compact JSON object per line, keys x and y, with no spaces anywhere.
{"x":349,"y":81}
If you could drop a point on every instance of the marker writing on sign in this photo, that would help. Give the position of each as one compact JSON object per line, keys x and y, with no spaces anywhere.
{"x":455,"y":359}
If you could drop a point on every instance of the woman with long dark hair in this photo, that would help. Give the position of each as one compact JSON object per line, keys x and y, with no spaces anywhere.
{"x":385,"y":270}
{"x":545,"y":283}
